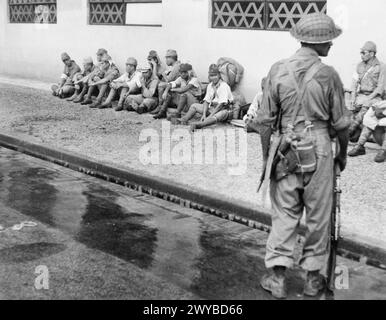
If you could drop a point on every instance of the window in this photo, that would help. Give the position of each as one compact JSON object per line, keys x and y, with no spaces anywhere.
{"x":126,"y":12}
{"x":32,"y":11}
{"x":262,"y":14}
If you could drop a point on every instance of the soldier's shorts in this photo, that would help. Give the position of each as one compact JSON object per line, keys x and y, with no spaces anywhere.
{"x":135,"y":100}
{"x":190,"y":99}
{"x":290,"y":196}
{"x":221,"y":116}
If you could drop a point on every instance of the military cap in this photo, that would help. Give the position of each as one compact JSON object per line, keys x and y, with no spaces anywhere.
{"x":65,"y":56}
{"x":145,"y":67}
{"x":370,"y":46}
{"x":101,"y":52}
{"x":213,"y":69}
{"x":152,"y":54}
{"x":106,"y":58}
{"x":132,"y":62}
{"x":316,"y":28}
{"x":185,"y":67}
{"x":88,"y":60}
{"x":171,"y":53}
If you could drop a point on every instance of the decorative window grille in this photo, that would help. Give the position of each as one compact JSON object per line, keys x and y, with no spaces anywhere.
{"x":32,"y":11}
{"x":262,"y":14}
{"x":113,"y":12}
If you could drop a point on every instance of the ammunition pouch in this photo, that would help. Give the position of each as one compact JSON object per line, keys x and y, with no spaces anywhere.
{"x":298,"y":156}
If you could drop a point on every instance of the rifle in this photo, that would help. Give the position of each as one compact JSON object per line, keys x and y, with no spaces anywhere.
{"x":335,"y":227}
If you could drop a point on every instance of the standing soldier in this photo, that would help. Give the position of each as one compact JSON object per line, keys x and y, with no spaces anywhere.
{"x":368,"y":86}
{"x":303,"y":103}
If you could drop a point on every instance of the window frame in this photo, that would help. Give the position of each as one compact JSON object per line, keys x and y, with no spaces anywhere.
{"x":34,"y":4}
{"x":124,"y":2}
{"x":266,"y":11}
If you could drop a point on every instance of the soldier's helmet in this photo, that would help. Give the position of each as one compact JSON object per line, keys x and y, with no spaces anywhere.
{"x":316,"y":28}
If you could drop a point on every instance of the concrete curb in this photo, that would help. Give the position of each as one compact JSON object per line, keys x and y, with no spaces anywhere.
{"x":353,"y":246}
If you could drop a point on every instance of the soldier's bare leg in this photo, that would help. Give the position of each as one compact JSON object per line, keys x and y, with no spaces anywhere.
{"x":109,"y":99}
{"x":88,"y":100}
{"x":82,"y":93}
{"x":102,"y":90}
{"x":122,"y":97}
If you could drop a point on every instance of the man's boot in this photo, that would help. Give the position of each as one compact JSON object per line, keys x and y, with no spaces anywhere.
{"x":381,"y":156}
{"x":86,"y":102}
{"x":314,"y":284}
{"x":73,"y":97}
{"x":276,"y":283}
{"x":162,"y":114}
{"x":96,"y":104}
{"x":156,"y":110}
{"x":359,"y":150}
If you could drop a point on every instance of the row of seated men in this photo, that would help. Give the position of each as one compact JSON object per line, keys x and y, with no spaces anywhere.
{"x":154,"y":88}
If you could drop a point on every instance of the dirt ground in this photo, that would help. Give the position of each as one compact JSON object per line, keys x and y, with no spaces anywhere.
{"x":115,"y":138}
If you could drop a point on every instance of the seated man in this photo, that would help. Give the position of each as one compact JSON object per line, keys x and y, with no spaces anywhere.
{"x":232,"y":73}
{"x":171,"y":73}
{"x":147,"y":100}
{"x":182,"y":92}
{"x":128,"y":83}
{"x":368,"y":87}
{"x":251,"y":115}
{"x":156,"y":64}
{"x":66,"y":87}
{"x":374,"y":120}
{"x":111,"y":73}
{"x":81,"y":79}
{"x":217,"y":106}
{"x":95,"y":75}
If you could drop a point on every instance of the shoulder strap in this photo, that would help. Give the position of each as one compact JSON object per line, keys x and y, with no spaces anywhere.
{"x":301,"y":88}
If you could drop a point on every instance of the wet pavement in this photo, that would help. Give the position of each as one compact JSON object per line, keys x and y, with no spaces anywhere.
{"x":103,"y":241}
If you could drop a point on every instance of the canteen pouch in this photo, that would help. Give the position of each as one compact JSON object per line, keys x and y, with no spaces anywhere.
{"x":307,"y":156}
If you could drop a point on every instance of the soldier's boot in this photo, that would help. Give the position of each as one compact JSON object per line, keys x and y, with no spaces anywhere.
{"x":275,"y":283}
{"x":381,"y":156}
{"x":55,"y":90}
{"x":73,"y":97}
{"x":156,"y":110}
{"x":314,"y":284}
{"x":96,"y":104}
{"x":162,"y":114}
{"x":359,"y":150}
{"x":141,"y":109}
{"x":81,"y":95}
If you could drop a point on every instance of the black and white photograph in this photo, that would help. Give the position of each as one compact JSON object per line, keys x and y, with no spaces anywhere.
{"x":172,"y":152}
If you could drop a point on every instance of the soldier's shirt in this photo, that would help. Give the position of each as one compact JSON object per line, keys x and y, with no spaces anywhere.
{"x":71,"y":71}
{"x":151,"y":85}
{"x":372,"y":77}
{"x":133,"y":81}
{"x":324,"y":96}
{"x":220,"y":93}
{"x":173,"y":72}
{"x":181,"y":83}
{"x":111,"y":73}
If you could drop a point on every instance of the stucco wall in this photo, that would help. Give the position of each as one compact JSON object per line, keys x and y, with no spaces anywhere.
{"x":33,"y":51}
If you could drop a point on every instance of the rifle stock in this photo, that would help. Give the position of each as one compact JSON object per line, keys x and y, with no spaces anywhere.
{"x":334,"y":229}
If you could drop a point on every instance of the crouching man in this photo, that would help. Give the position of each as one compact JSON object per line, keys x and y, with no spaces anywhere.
{"x":127,"y":84}
{"x":81,"y":79}
{"x":374,"y":124}
{"x":66,"y":87}
{"x":182,"y":93}
{"x":147,"y":99}
{"x":217,"y":106}
{"x":111,"y":73}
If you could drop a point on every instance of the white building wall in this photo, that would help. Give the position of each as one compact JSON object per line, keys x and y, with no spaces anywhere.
{"x":33,"y":51}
